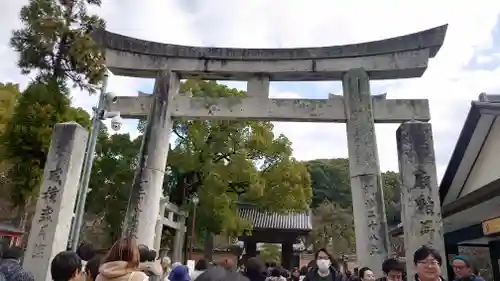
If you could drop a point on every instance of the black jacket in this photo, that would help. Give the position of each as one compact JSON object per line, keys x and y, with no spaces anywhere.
{"x":337,"y":275}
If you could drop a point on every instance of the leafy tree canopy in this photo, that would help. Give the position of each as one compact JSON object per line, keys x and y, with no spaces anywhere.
{"x":28,"y":134}
{"x":330,"y":182}
{"x":229,"y":161}
{"x":112,"y":175}
{"x":333,"y":228}
{"x":270,"y":253}
{"x":56,"y":41}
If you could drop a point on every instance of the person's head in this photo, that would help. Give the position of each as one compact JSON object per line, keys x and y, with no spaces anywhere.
{"x":226,"y":263}
{"x":13,"y":253}
{"x":165,"y":262}
{"x":324,"y":260}
{"x":295,"y":272}
{"x":276,"y":272}
{"x":126,"y":250}
{"x":143,"y":253}
{"x":92,"y":268}
{"x":179,"y":273}
{"x":462,"y":266}
{"x":303,"y":270}
{"x":393,"y":269}
{"x":254,"y":267}
{"x":428,"y":263}
{"x":366,"y":274}
{"x":85,"y":251}
{"x":66,"y":266}
{"x":201,"y":265}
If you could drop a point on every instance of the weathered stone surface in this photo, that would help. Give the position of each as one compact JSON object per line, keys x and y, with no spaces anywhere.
{"x":372,"y":240}
{"x":421,"y":209}
{"x":428,"y":39}
{"x":260,"y":108}
{"x":258,"y":86}
{"x":406,"y":64}
{"x":54,"y":210}
{"x":147,"y":189}
{"x":399,"y":57}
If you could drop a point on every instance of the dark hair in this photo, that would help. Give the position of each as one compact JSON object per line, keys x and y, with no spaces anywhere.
{"x":85,"y":251}
{"x":254,"y":267}
{"x":423,"y":252}
{"x":201,"y":265}
{"x":143,"y":253}
{"x":392,"y":264}
{"x":65,"y":265}
{"x":276,"y":272}
{"x":14,"y":253}
{"x":92,"y":267}
{"x":303,"y":270}
{"x":333,"y":261}
{"x":124,"y":249}
{"x":362,"y":272}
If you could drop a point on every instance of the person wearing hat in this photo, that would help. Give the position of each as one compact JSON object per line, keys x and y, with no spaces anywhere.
{"x":463,"y":269}
{"x":179,"y":273}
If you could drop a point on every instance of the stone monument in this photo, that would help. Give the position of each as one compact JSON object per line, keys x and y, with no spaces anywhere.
{"x":401,"y":57}
{"x":54,"y":209}
{"x":421,"y":211}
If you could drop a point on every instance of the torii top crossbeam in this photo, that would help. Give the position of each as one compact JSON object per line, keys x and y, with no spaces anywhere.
{"x":400,"y":57}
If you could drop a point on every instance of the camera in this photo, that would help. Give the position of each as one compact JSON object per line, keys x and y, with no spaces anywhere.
{"x":116,"y":123}
{"x":111,"y":97}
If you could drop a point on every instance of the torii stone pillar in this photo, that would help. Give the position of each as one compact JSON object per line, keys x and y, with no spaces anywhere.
{"x":147,"y":190}
{"x":421,"y":207}
{"x":51,"y":223}
{"x":372,"y":240}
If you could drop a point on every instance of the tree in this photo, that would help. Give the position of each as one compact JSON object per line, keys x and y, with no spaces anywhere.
{"x":333,"y":228}
{"x":330,"y":182}
{"x":112,"y":174}
{"x":230,"y":161}
{"x":27,"y":138}
{"x":56,"y":43}
{"x":270,"y":253}
{"x":56,"y":40}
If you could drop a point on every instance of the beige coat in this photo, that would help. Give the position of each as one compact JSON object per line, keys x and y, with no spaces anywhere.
{"x":118,"y":271}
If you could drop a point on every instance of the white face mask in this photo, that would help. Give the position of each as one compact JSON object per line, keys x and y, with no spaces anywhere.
{"x":323,"y":265}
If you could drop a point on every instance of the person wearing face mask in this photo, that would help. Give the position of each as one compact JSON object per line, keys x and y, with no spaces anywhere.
{"x":326,"y":269}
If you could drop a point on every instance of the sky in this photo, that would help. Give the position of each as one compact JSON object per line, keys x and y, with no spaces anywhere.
{"x":467,"y":64}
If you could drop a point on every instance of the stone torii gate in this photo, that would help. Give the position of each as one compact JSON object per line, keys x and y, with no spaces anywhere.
{"x":401,"y":57}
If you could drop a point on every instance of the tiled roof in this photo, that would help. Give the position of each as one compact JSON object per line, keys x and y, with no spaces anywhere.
{"x":283,"y":221}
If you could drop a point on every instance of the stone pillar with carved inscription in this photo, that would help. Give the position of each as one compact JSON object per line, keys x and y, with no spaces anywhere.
{"x":147,"y":189}
{"x":421,"y":208}
{"x":372,"y":239}
{"x":54,"y":209}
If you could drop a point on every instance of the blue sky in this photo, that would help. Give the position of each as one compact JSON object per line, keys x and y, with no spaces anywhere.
{"x":467,"y":65}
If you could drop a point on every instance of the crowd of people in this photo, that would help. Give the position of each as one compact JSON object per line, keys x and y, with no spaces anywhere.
{"x":127,"y":261}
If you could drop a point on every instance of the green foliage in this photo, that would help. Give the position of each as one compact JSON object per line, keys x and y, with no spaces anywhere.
{"x":330,"y":182}
{"x":28,"y":134}
{"x":333,"y":228}
{"x":112,"y":174}
{"x":56,"y":41}
{"x":229,"y":161}
{"x":9,"y":93}
{"x":270,"y":253}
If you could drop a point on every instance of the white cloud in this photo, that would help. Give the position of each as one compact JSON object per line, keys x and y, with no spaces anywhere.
{"x":284,"y":23}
